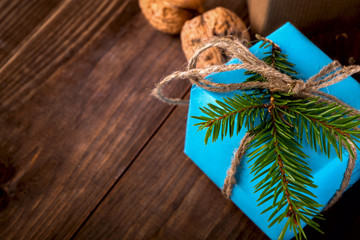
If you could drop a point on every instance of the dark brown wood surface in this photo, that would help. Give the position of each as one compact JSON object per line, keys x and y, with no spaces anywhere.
{"x":85,"y":153}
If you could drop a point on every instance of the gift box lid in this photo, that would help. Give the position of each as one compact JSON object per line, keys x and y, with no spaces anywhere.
{"x":214,"y":158}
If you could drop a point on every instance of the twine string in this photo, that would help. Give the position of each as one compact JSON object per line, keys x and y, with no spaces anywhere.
{"x":230,"y":180}
{"x":276,"y":82}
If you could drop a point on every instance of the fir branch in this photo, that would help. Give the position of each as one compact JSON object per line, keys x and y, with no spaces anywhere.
{"x":325,"y":125}
{"x":229,"y":116}
{"x":285,"y":175}
{"x":276,"y":151}
{"x":274,"y":58}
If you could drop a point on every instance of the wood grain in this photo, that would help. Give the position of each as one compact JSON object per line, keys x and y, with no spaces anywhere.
{"x":149,"y":205}
{"x":173,"y":200}
{"x":71,"y":129}
{"x":70,"y":27}
{"x":15,"y":30}
{"x":85,"y":153}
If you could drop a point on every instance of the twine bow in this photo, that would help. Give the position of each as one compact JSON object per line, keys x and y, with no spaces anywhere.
{"x":276,"y":82}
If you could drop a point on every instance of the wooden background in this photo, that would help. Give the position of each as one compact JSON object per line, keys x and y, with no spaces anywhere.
{"x":85,"y":153}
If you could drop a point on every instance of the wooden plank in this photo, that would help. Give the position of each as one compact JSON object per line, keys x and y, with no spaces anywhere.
{"x":77,"y":117}
{"x":65,"y":94}
{"x":66,"y":32}
{"x":340,"y":43}
{"x":15,"y":26}
{"x":165,"y":196}
{"x":126,"y":218}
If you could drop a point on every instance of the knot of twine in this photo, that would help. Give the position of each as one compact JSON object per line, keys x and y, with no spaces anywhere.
{"x":276,"y":82}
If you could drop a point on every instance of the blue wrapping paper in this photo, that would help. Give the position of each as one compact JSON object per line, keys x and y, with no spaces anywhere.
{"x":214,"y":158}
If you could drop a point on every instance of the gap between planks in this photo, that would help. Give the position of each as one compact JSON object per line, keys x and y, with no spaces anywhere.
{"x":129,"y":165}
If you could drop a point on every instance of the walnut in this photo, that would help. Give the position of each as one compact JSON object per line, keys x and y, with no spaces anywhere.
{"x":170,"y":15}
{"x":216,"y":22}
{"x":188,"y":4}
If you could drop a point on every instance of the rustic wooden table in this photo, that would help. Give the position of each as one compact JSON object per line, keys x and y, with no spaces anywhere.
{"x":85,"y":153}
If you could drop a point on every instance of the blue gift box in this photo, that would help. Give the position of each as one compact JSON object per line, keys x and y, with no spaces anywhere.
{"x":214,"y":158}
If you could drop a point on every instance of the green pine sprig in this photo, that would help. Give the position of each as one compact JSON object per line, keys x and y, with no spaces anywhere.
{"x":229,"y":116}
{"x":278,"y":123}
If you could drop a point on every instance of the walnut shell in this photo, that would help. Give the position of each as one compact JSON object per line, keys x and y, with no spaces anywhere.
{"x":216,"y":22}
{"x":169,"y":15}
{"x":188,"y":4}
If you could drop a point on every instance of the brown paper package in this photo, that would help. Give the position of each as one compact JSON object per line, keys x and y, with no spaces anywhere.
{"x":307,"y":15}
